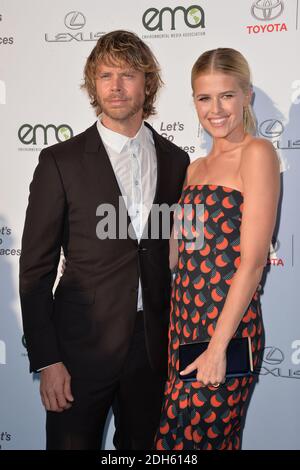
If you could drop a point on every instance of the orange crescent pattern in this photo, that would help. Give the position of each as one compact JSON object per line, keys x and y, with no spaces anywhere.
{"x":216,"y":276}
{"x":206,"y":250}
{"x":228,"y":202}
{"x":199,"y":282}
{"x":221,"y":243}
{"x":211,"y":199}
{"x":195,"y":317}
{"x":195,"y":416}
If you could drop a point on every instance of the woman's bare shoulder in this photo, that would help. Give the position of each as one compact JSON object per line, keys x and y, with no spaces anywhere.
{"x":195,"y":167}
{"x":260,"y":146}
{"x":260,"y":152}
{"x":259,"y":159}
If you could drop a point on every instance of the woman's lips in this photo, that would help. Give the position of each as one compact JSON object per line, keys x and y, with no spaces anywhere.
{"x":218,"y":122}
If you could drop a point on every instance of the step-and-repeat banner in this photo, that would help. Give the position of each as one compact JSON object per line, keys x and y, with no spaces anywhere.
{"x":43,"y":49}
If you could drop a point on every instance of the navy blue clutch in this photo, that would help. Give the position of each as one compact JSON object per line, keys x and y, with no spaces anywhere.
{"x":238,"y":355}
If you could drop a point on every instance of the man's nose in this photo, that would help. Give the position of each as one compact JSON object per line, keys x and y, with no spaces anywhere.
{"x":116,"y":83}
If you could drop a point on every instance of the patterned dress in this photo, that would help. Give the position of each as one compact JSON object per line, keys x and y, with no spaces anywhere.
{"x":195,"y":416}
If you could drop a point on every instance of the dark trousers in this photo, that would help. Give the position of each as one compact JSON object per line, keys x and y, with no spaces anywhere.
{"x":136,"y":398}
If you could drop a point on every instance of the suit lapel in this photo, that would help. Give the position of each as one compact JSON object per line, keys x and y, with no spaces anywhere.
{"x":101,"y":182}
{"x":98,"y":168}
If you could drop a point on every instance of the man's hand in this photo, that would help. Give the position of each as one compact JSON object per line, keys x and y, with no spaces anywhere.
{"x":55,"y":388}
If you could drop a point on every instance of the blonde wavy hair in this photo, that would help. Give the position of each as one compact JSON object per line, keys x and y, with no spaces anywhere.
{"x":118,"y":48}
{"x":231,"y":62}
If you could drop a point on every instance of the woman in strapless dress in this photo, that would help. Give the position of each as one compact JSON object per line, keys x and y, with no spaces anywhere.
{"x":215,"y":294}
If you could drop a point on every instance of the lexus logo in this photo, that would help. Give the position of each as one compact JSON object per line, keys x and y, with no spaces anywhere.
{"x":75,"y":20}
{"x":267,"y":10}
{"x":273,"y":355}
{"x":271,"y":128}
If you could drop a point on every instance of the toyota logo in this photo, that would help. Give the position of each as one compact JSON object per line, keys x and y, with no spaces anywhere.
{"x":267,"y":10}
{"x":271,"y":128}
{"x":75,"y":20}
{"x":273,"y":356}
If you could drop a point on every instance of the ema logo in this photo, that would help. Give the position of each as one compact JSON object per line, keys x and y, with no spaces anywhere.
{"x":154,"y":19}
{"x":267,"y":10}
{"x":29,"y":134}
{"x":2,"y":92}
{"x":2,"y":352}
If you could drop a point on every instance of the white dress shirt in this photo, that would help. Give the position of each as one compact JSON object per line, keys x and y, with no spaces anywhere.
{"x":133,"y":160}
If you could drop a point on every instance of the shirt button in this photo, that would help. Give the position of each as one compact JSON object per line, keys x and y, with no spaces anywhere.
{"x":136,"y":182}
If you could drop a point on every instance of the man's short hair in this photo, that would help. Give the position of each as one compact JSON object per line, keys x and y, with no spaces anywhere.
{"x":118,"y":48}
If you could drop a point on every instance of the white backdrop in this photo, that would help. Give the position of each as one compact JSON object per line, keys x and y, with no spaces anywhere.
{"x":43,"y":48}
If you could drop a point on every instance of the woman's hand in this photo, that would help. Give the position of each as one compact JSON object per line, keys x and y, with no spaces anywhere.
{"x":210,"y":366}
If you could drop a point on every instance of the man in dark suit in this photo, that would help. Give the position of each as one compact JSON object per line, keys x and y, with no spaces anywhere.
{"x":101,"y":340}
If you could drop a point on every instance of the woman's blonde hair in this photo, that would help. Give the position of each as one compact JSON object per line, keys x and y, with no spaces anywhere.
{"x":231,"y":62}
{"x":118,"y":48}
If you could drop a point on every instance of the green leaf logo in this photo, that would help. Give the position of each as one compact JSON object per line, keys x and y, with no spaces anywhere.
{"x":194,"y":14}
{"x":64,"y":133}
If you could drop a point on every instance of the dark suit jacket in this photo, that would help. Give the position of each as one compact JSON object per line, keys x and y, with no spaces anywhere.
{"x":89,"y":322}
